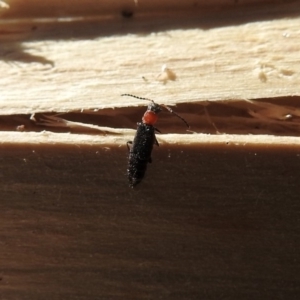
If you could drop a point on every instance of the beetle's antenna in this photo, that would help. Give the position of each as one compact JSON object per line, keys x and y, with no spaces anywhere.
{"x":174,"y":113}
{"x":141,"y":98}
{"x":162,"y":105}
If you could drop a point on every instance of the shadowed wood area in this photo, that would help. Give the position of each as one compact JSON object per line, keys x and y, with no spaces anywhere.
{"x":71,"y":228}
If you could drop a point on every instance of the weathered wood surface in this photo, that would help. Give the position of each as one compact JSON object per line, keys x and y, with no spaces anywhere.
{"x":206,"y":221}
{"x":244,"y":52}
{"x":216,"y":216}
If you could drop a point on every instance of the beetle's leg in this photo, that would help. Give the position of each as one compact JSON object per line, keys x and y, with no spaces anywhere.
{"x":130,"y":142}
{"x":155,"y":141}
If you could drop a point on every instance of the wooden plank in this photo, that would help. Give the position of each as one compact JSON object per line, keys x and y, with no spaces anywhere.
{"x":206,"y":220}
{"x":83,"y":65}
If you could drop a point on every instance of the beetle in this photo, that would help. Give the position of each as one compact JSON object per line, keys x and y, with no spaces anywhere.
{"x":144,"y":139}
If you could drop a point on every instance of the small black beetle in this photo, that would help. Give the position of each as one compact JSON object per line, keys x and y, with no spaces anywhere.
{"x":142,"y":145}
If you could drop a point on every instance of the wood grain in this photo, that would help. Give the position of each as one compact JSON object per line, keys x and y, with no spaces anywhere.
{"x":217,"y":215}
{"x":88,"y":64}
{"x":71,"y":228}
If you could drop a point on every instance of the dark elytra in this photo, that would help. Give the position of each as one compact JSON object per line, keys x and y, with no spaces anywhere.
{"x":140,"y":153}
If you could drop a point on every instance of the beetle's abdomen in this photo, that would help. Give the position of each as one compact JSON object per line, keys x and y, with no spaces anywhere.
{"x":140,"y":153}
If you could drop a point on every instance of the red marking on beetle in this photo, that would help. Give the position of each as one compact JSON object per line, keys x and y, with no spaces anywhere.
{"x":142,"y":145}
{"x":150,"y":118}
